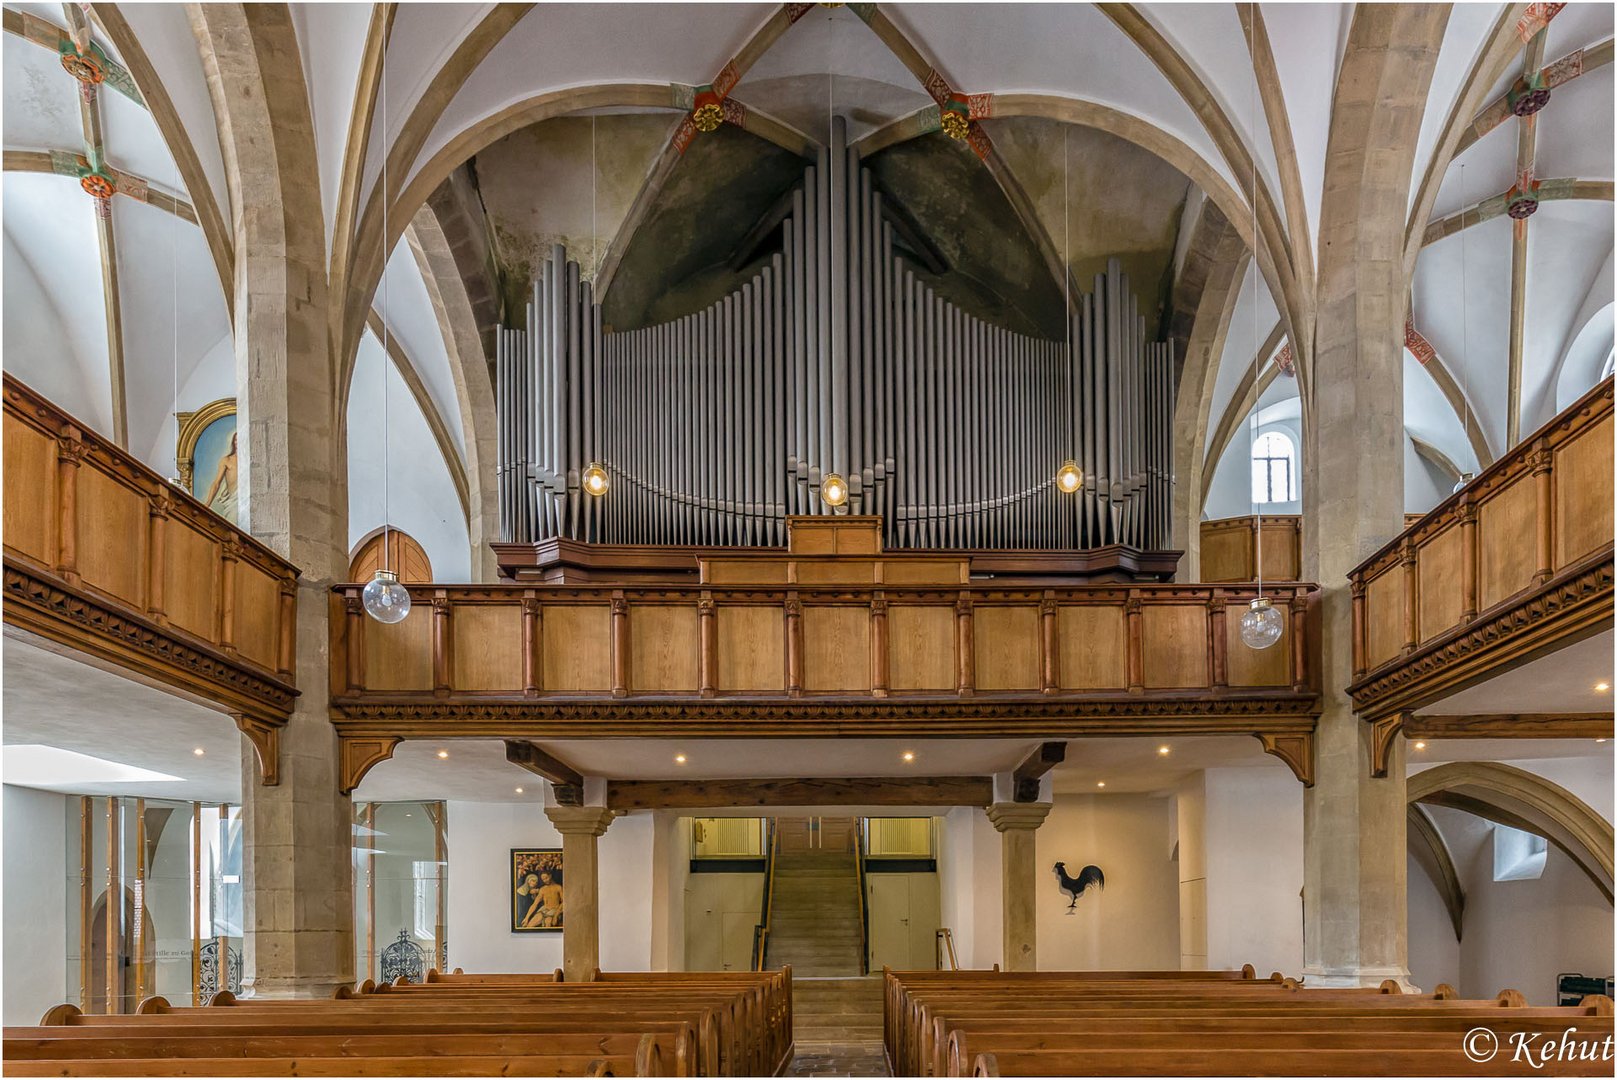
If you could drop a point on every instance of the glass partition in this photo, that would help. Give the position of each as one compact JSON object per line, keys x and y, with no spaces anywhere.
{"x":400,"y":871}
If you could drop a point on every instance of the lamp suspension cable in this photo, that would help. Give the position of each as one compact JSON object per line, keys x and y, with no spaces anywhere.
{"x":596,"y":479}
{"x":833,"y":488}
{"x":1260,"y":623}
{"x":1070,"y":476}
{"x":175,"y":337}
{"x":384,"y":598}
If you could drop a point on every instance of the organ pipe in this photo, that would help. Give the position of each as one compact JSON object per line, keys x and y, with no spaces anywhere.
{"x":834,"y":357}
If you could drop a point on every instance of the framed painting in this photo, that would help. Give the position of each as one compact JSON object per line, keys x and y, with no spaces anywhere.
{"x":206,"y":455}
{"x":536,"y":890}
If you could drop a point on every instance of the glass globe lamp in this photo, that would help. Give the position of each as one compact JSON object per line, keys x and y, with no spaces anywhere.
{"x":385,"y":599}
{"x":596,"y":480}
{"x":1069,"y":478}
{"x":834,"y":490}
{"x":1465,"y":478}
{"x":1261,"y":624}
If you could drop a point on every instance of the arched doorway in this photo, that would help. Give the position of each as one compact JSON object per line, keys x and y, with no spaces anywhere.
{"x":124,"y":943}
{"x":406,"y":557}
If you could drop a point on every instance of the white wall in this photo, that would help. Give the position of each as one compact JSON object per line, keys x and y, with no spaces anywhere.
{"x":34,"y":903}
{"x":1133,"y":923}
{"x":1254,"y":863}
{"x":480,"y":839}
{"x":1517,"y":934}
{"x":969,"y":886}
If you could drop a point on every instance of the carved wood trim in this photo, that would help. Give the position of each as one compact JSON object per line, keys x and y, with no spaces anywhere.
{"x":357,"y":755}
{"x":53,"y":609}
{"x":266,"y":740}
{"x":1295,"y":748}
{"x":1572,"y":605}
{"x":1381,"y":733}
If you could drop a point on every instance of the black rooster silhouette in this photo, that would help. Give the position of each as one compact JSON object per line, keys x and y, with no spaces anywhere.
{"x":1075,"y":887}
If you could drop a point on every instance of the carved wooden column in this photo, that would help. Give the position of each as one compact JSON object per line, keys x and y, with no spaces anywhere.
{"x":158,"y":505}
{"x":1218,"y":661}
{"x":1049,"y":657}
{"x":1135,"y":644}
{"x":1017,"y":824}
{"x":965,"y":648}
{"x":1411,"y":597}
{"x":794,"y":646}
{"x":1468,"y":558}
{"x":443,"y":645}
{"x":229,"y":555}
{"x":581,"y":828}
{"x":287,"y":646}
{"x":878,"y":646}
{"x":1299,"y":643}
{"x":620,"y":645}
{"x":531,"y":630}
{"x":354,"y":610}
{"x":1544,"y":513}
{"x":1360,"y":630}
{"x":69,"y":454}
{"x":708,"y":657}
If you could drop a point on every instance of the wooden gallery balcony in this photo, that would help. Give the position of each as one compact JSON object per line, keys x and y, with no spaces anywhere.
{"x":792,"y":644}
{"x":1515,"y":565}
{"x":106,"y":558}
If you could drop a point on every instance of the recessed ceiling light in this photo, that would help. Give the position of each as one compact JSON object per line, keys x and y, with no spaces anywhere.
{"x":34,"y":764}
{"x":199,"y":751}
{"x":1602,"y":687}
{"x":679,"y":759}
{"x":1420,"y":746}
{"x":443,"y":753}
{"x":1100,"y":783}
{"x":519,"y":791}
{"x":909,"y":755}
{"x":1163,"y":750}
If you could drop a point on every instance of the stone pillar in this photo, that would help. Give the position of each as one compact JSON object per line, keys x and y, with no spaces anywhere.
{"x":581,"y":828}
{"x":297,"y":889}
{"x":1017,"y":823}
{"x":1355,"y":903}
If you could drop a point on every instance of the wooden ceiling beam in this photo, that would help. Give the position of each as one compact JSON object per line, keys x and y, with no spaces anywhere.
{"x":1025,"y":780}
{"x":1592,"y":725}
{"x":826,"y":791}
{"x":529,"y":756}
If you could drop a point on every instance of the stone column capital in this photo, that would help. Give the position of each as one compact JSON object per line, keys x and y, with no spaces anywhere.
{"x":580,"y":820}
{"x":1005,"y":816}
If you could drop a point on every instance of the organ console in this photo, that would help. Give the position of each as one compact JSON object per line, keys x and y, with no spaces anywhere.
{"x":835,"y":359}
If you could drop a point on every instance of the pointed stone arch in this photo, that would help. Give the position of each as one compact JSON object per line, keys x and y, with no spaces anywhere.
{"x":1507,"y":795}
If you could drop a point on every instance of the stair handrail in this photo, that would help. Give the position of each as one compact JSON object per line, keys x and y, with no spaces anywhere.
{"x":864,"y":921}
{"x":945,"y":939}
{"x":760,"y":932}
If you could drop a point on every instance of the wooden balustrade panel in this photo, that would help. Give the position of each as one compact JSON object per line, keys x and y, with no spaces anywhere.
{"x":1007,"y":646}
{"x":1226,"y":552}
{"x":751,"y":647}
{"x":665,"y":649}
{"x":1440,"y":582}
{"x":1174,"y":637}
{"x":1384,"y":616}
{"x":921,"y":647}
{"x":30,"y":522}
{"x":1256,"y":667}
{"x":577,"y":652}
{"x":256,"y":615}
{"x":1583,"y":486}
{"x":1092,"y":647}
{"x":190,"y":578}
{"x":104,"y":556}
{"x":111,"y":534}
{"x":1506,"y":525}
{"x":487,"y":649}
{"x":836,"y":648}
{"x":399,"y":656}
{"x":1228,"y":548}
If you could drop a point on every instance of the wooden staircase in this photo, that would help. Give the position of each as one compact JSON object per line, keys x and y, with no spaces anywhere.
{"x":814,"y":919}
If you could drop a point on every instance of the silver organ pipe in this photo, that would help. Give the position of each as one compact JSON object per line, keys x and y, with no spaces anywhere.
{"x":834,"y":357}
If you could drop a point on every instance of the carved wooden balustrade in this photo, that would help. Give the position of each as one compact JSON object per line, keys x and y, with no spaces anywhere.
{"x":821,"y":644}
{"x":104,"y":556}
{"x":1229,"y":548}
{"x":1516,"y":564}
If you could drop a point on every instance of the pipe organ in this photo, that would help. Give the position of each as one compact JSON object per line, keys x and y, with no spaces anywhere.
{"x":835,"y":358}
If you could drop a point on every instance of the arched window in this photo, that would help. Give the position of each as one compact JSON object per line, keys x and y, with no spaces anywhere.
{"x":1274,"y":469}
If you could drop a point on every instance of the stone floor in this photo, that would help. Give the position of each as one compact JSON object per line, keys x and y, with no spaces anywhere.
{"x":829,"y":1059}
